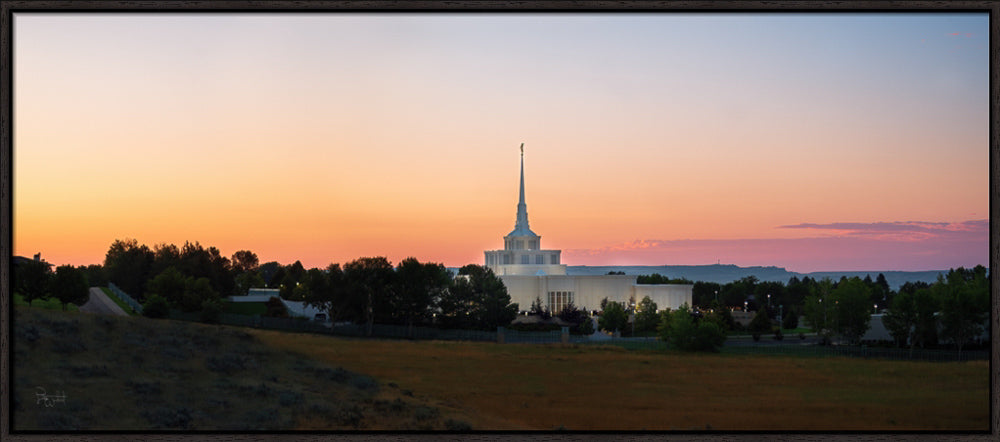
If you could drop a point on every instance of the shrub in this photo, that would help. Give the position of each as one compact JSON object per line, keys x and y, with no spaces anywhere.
{"x":684,"y":334}
{"x":759,"y":324}
{"x":425,"y":413}
{"x":791,"y":320}
{"x":145,"y":388}
{"x":364,"y":383}
{"x":168,"y":418}
{"x":28,"y":333}
{"x":227,"y":363}
{"x":52,"y":420}
{"x":266,"y":419}
{"x":68,"y":345}
{"x":455,"y":425}
{"x":350,"y":416}
{"x":288,"y":398}
{"x":156,"y":307}
{"x":88,"y":371}
{"x":211,"y":311}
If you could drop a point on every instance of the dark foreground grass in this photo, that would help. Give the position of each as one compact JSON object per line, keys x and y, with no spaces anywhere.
{"x":576,"y":387}
{"x":134,"y":373}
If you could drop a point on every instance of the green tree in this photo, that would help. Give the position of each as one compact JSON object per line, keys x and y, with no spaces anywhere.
{"x":791,"y":318}
{"x":683,"y":333}
{"x":95,"y":275}
{"x":244,"y":261}
{"x":722,"y":317}
{"x":170,"y":284}
{"x":196,"y":292}
{"x":494,"y":307}
{"x":371,"y":279}
{"x":164,"y":257}
{"x":32,"y":279}
{"x":647,"y":317}
{"x":337,"y":299}
{"x":926,"y":304}
{"x":477,"y":299}
{"x":852,"y":303}
{"x":901,"y":320}
{"x":420,"y":285}
{"x":613,"y":318}
{"x":539,"y":309}
{"x":156,"y":306}
{"x":965,"y":304}
{"x":704,"y":293}
{"x":587,"y":326}
{"x":819,"y":311}
{"x":760,"y":324}
{"x":129,"y":265}
{"x":69,"y":285}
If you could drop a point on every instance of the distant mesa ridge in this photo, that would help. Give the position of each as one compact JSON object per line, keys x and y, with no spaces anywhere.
{"x":723,"y":273}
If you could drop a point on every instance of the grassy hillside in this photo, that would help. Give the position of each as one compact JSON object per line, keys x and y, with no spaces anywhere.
{"x":544,"y":387}
{"x":133,"y":373}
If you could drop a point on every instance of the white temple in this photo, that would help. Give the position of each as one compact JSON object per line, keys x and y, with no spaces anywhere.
{"x":530,"y":272}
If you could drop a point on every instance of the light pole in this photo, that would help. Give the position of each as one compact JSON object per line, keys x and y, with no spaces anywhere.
{"x":768,"y":300}
{"x":876,"y":309}
{"x":716,"y":296}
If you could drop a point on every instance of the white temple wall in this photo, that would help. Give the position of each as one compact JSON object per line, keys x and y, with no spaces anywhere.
{"x":589,"y":290}
{"x":665,"y":295}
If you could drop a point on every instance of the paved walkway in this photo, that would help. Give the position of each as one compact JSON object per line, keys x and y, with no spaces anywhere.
{"x":100,"y":303}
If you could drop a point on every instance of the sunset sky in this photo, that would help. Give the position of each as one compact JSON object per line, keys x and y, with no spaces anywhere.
{"x":814,"y":142}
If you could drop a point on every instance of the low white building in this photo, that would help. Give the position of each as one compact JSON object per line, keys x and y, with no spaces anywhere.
{"x":257,"y":295}
{"x":530,"y":272}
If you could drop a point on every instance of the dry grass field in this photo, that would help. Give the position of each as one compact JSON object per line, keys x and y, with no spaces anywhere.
{"x":544,"y":387}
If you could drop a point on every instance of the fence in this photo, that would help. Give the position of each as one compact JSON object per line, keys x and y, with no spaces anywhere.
{"x":898,"y":354}
{"x":124,"y":297}
{"x":508,"y":336}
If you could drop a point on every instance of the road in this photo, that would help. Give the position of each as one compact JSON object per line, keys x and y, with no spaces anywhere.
{"x":100,"y":303}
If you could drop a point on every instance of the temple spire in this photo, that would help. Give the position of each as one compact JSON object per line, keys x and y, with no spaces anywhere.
{"x":521,"y":226}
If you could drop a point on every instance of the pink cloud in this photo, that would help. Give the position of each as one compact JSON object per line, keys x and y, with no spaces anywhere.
{"x":857,"y":246}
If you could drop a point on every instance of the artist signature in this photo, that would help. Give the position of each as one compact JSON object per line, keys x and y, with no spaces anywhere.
{"x":49,"y":400}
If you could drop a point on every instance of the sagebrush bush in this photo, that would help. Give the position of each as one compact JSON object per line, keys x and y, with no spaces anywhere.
{"x":424,"y":413}
{"x":288,"y":398}
{"x":228,"y":363}
{"x":68,"y":344}
{"x":59,"y":420}
{"x":457,"y":425}
{"x":145,"y":388}
{"x":168,"y":418}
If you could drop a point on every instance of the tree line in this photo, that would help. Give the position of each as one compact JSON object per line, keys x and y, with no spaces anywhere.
{"x":366,"y":290}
